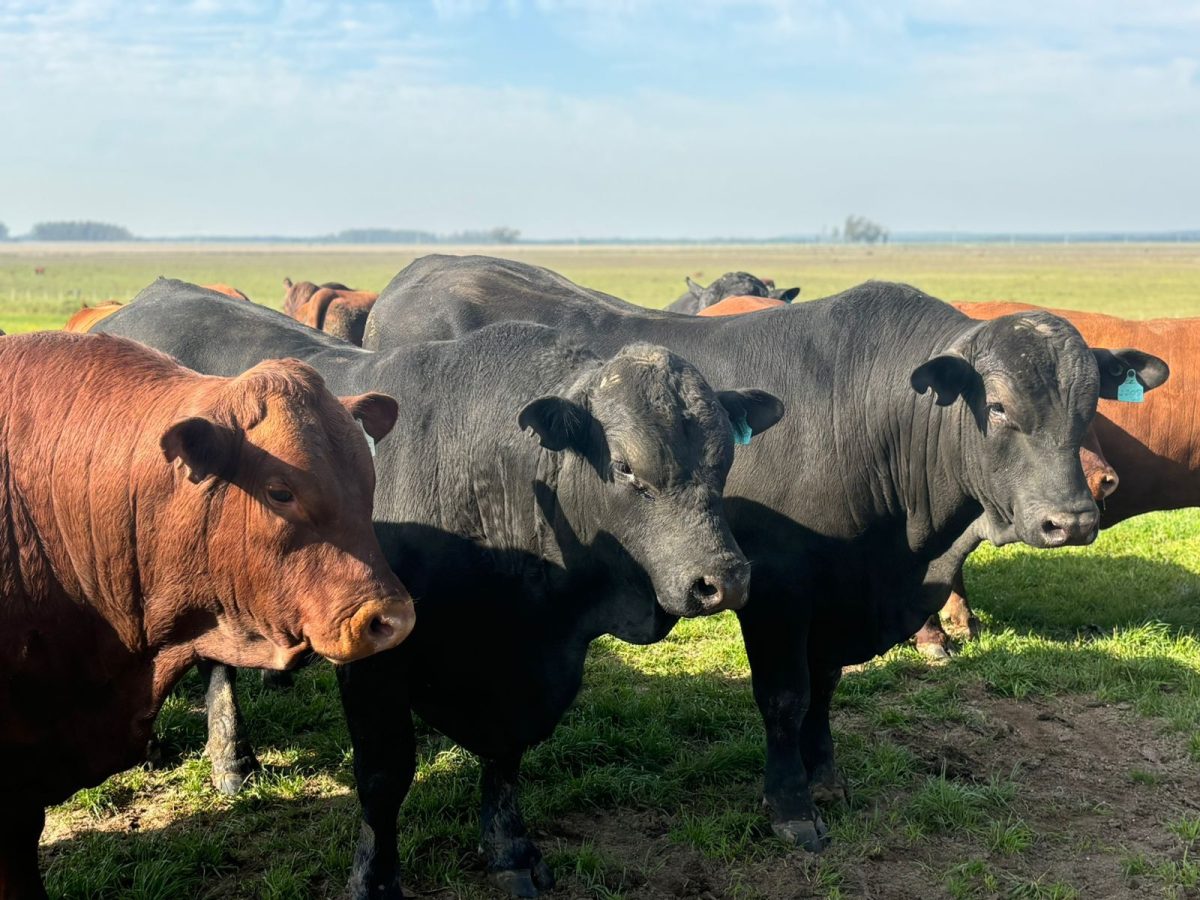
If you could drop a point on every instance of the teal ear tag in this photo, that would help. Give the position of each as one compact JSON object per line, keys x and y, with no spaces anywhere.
{"x":1130,"y":391}
{"x":741,"y":431}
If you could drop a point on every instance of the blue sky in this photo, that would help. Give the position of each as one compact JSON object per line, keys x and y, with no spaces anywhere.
{"x":573,"y":118}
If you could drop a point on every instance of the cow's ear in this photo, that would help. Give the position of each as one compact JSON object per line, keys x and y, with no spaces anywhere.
{"x":787,"y":295}
{"x":950,"y":376}
{"x":200,"y":445}
{"x":559,"y":423}
{"x":287,"y":282}
{"x":1115,"y":366}
{"x":377,"y":412}
{"x":695,"y":289}
{"x":750,"y":412}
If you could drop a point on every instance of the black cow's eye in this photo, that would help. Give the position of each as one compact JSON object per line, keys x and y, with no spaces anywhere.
{"x":621,"y":468}
{"x":996,"y":413}
{"x":281,"y":495}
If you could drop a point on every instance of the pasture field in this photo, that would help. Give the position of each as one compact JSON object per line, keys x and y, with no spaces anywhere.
{"x":1057,"y":757}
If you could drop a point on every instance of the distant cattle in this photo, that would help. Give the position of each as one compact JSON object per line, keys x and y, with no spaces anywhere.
{"x":39,"y":270}
{"x":1151,"y":449}
{"x":82,"y":321}
{"x":902,"y":446}
{"x":736,"y":306}
{"x":150,"y":516}
{"x":226,"y":289}
{"x":86,"y":318}
{"x":731,"y":284}
{"x":331,"y":307}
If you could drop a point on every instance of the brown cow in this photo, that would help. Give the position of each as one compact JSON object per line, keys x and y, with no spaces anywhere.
{"x":331,"y":307}
{"x":1153,"y":446}
{"x":227,"y":289}
{"x":151,"y":516}
{"x":735,"y":306}
{"x":82,"y":321}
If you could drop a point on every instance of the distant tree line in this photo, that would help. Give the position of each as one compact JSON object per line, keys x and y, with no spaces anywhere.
{"x":500,"y":235}
{"x":79,"y":231}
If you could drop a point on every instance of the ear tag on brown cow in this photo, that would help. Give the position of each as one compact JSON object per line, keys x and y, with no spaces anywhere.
{"x":1130,"y":391}
{"x":370,"y":440}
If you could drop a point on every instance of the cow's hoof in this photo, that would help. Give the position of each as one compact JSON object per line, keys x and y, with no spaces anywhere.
{"x":934,"y":652}
{"x":974,"y":628}
{"x":229,"y":780}
{"x":808,"y":834}
{"x":359,"y":890}
{"x":524,"y":882}
{"x":830,"y":794}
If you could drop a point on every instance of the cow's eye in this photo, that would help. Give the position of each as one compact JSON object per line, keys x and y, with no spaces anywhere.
{"x":280,"y":495}
{"x":621,"y":469}
{"x":997,"y":414}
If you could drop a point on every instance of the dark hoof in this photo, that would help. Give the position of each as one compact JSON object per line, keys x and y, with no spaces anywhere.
{"x":389,"y":891}
{"x":974,"y":629}
{"x":934,"y":652}
{"x":807,"y":834}
{"x":830,"y":795}
{"x":524,"y":882}
{"x":229,"y":780}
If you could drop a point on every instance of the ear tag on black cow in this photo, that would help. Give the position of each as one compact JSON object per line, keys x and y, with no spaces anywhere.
{"x":742,"y":431}
{"x":370,"y":440}
{"x":1130,"y":391}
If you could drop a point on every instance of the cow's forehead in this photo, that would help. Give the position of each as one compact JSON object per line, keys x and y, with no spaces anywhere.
{"x":1039,"y":355}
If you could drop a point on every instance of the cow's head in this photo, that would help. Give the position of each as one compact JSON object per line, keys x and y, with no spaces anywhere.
{"x":1030,"y":385}
{"x":282,"y":483}
{"x":646,"y":447}
{"x":731,"y":284}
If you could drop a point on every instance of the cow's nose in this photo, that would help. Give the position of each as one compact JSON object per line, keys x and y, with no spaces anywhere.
{"x":1069,"y":527}
{"x":381,"y":625}
{"x":721,"y":590}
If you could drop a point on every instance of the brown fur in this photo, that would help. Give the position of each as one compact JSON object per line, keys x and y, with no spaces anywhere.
{"x":736,"y":306}
{"x":335,"y":310}
{"x":130,"y":547}
{"x":226,"y":289}
{"x":86,"y":318}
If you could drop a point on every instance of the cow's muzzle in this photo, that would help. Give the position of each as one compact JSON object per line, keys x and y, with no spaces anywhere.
{"x":717,"y":591}
{"x":1069,"y":527}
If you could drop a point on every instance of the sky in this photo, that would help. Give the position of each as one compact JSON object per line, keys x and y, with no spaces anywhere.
{"x":593,"y":118}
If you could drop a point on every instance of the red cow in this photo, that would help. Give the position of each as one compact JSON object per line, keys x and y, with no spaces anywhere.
{"x":149,"y":517}
{"x":331,"y":307}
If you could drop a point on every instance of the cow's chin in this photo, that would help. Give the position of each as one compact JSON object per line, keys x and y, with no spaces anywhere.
{"x":250,"y":651}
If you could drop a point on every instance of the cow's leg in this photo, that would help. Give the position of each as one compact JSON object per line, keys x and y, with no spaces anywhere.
{"x":957,"y":610}
{"x":932,"y":641}
{"x":816,"y":741}
{"x":514,"y":863}
{"x":779,"y":671}
{"x":375,"y":700}
{"x":20,"y":827}
{"x":228,"y":747}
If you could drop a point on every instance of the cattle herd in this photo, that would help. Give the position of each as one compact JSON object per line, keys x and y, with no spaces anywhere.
{"x":192,"y":479}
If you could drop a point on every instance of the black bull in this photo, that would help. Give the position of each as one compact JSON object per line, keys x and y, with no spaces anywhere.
{"x":521,"y":548}
{"x":913,"y":432}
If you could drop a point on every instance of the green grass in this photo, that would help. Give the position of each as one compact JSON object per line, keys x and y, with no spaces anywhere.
{"x":651,"y":786}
